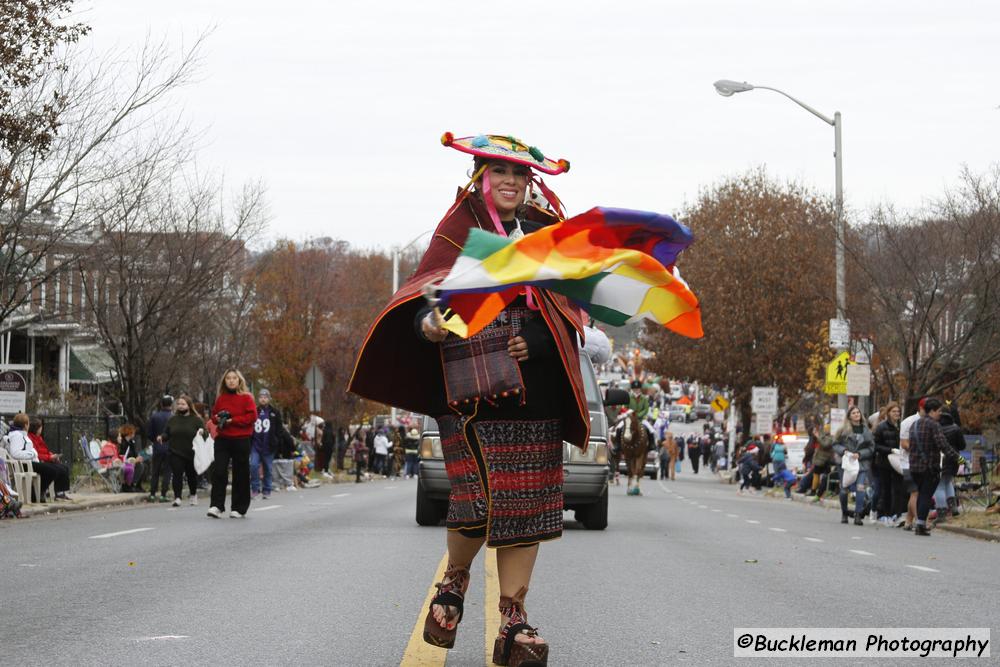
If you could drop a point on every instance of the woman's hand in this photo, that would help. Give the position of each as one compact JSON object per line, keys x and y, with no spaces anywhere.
{"x":431,"y":329}
{"x":517,"y":347}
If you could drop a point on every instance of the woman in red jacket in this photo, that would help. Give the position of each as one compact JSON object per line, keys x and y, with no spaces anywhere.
{"x":234,"y":413}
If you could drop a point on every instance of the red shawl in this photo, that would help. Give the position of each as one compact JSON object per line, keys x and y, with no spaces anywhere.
{"x":396,"y":367}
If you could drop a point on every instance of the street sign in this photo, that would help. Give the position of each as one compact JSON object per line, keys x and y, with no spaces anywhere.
{"x":720,"y":403}
{"x":859,"y":380}
{"x":315,"y":384}
{"x":837,"y":418}
{"x":836,"y":374}
{"x":764,"y":399}
{"x":12,"y":392}
{"x":765,"y":423}
{"x":840,"y":334}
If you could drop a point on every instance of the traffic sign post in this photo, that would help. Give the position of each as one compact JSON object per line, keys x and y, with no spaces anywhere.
{"x":836,"y":374}
{"x":859,"y":380}
{"x":764,"y":399}
{"x":314,"y":384}
{"x":840,"y":334}
{"x":719,"y":404}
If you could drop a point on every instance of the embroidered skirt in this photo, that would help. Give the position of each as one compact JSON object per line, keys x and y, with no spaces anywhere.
{"x":506,"y":478}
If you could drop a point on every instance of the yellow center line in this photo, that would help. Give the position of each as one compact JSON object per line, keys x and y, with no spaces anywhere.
{"x":491,"y":593}
{"x":419,"y":653}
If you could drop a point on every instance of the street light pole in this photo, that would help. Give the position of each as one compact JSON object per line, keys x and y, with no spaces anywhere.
{"x":396,"y":252}
{"x":727,"y":88}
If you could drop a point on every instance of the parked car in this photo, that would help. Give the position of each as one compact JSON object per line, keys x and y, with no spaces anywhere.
{"x":585,"y":476}
{"x":702,"y":411}
{"x":677,"y":413}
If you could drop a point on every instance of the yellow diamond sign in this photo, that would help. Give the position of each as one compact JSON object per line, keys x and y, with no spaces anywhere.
{"x":720,"y":403}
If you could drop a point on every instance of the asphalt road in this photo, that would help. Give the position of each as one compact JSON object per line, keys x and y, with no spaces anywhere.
{"x":339,"y":575}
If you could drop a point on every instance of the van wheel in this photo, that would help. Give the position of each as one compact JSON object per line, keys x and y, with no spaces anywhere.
{"x":595,"y":516}
{"x":428,"y":510}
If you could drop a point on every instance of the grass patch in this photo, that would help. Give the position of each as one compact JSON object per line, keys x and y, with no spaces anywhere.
{"x":977,"y":519}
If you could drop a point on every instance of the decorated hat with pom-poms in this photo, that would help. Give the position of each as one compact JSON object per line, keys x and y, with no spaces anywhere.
{"x":501,"y":147}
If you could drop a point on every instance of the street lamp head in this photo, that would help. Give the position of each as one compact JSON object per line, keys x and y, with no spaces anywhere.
{"x":726,"y":88}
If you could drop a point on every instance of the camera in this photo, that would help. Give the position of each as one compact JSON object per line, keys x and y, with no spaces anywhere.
{"x":223,"y":415}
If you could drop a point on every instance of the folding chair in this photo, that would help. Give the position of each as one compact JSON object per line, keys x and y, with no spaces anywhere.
{"x":976,"y":487}
{"x":110,"y":477}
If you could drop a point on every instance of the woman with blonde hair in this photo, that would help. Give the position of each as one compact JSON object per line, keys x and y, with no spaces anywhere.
{"x":233,"y":414}
{"x":855,"y":441}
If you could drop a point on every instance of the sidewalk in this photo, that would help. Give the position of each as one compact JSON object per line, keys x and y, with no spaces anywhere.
{"x":984,"y":529}
{"x":92,"y":499}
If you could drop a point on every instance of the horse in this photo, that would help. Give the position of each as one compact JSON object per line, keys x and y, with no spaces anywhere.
{"x":632,"y":440}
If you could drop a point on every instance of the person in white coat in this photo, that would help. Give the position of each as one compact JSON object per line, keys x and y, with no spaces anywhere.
{"x":381,"y":453}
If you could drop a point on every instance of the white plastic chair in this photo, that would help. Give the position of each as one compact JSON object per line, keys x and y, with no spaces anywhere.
{"x":24,"y":477}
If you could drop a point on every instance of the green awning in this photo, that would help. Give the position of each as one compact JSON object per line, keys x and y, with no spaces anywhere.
{"x":90,"y":364}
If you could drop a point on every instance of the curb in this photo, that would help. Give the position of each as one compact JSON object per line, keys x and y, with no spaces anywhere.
{"x":51,"y":508}
{"x":970,"y":532}
{"x":54,"y":508}
{"x":835,"y":504}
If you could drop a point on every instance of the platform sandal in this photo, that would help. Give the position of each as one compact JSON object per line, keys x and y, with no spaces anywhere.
{"x":506,"y":650}
{"x":451,"y":593}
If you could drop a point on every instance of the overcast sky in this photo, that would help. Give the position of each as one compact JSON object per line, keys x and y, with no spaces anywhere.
{"x":338,"y":106}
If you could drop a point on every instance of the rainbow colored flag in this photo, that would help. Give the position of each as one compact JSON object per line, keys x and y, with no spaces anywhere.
{"x":616,"y":264}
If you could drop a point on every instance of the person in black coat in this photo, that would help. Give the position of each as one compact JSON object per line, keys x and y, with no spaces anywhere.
{"x":891,"y":496}
{"x":944,"y":496}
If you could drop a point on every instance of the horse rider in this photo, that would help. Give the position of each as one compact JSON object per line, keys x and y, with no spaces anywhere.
{"x":638,"y":403}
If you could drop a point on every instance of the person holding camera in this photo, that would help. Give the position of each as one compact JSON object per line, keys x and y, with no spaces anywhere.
{"x":234,"y":413}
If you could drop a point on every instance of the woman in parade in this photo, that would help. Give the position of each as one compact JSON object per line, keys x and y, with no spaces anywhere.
{"x":855,"y":441}
{"x":179,"y":434}
{"x":234,"y":413}
{"x":505,"y":399}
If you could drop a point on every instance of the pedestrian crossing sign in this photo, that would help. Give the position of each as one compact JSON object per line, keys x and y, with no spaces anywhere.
{"x":836,"y":374}
{"x":720,"y":403}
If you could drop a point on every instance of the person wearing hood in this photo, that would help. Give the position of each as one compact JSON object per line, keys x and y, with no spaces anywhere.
{"x":855,"y":441}
{"x":944,"y":496}
{"x":749,"y":467}
{"x":160,"y":465}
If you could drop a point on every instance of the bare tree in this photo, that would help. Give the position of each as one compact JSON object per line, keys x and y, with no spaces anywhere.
{"x":933,"y":290}
{"x":168,"y":259}
{"x":89,"y":114}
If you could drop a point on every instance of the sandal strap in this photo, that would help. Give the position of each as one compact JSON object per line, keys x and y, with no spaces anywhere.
{"x":513,"y":630}
{"x":450,"y":599}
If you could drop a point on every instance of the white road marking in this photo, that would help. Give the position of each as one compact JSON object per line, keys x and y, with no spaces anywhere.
{"x":778,"y":530}
{"x":860,"y":552}
{"x":340,"y":495}
{"x":716,"y":510}
{"x":269,"y":507}
{"x":855,"y":537}
{"x":703,"y":507}
{"x":121,"y":532}
{"x":159,"y":637}
{"x":923,"y":569}
{"x":681,"y":497}
{"x":812,"y":539}
{"x":752,"y":521}
{"x":27,"y":564}
{"x":733,"y":516}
